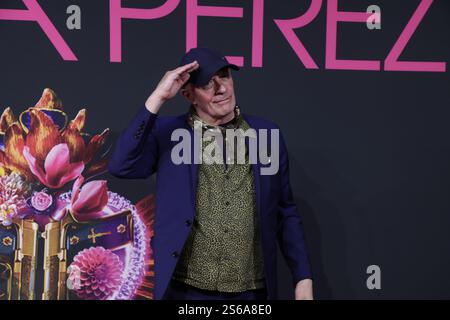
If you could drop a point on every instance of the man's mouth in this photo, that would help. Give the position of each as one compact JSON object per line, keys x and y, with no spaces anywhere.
{"x":223,"y":100}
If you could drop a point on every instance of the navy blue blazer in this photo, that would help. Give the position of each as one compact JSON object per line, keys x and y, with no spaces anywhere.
{"x":145,"y":148}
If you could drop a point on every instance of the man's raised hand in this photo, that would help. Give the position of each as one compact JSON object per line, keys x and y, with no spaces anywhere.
{"x":169,"y":86}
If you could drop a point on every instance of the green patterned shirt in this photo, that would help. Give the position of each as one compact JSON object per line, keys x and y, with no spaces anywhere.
{"x":223,"y":251}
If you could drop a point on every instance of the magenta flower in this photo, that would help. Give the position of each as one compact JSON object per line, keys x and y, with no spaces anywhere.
{"x":96,"y":273}
{"x":57,"y":169}
{"x":90,"y":200}
{"x":41,"y":201}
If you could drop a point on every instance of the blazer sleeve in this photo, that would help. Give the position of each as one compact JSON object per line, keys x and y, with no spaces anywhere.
{"x":290,"y":232}
{"x":135,"y":155}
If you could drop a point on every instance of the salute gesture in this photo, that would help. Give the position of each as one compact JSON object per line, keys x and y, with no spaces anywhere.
{"x":169,"y":86}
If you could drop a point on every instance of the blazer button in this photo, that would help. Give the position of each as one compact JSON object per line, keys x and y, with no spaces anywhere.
{"x":175,"y":254}
{"x":188,"y":223}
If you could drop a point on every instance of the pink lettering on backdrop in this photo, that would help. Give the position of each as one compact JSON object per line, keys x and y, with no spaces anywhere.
{"x":257,"y":33}
{"x":35,"y":13}
{"x":193,"y":11}
{"x":117,"y":13}
{"x":392,"y":63}
{"x":287,"y":28}
{"x":333,"y":17}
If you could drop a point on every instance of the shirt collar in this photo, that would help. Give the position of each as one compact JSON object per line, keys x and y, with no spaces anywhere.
{"x":235,"y":123}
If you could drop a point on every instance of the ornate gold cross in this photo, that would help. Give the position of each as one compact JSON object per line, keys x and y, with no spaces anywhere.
{"x":93,"y":236}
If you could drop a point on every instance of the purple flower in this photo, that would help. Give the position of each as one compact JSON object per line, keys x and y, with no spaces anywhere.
{"x":41,"y":201}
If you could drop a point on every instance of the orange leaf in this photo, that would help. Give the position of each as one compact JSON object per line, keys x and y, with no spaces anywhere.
{"x":7,"y":119}
{"x":43,"y":135}
{"x":96,"y":168}
{"x":95,"y":144}
{"x":14,"y":144}
{"x":79,"y":120}
{"x":75,"y":141}
{"x":49,"y":100}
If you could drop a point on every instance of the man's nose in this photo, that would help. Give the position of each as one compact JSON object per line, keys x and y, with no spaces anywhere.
{"x":220,"y":88}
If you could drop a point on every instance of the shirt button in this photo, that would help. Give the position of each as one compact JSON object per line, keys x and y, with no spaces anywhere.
{"x":227,"y":203}
{"x":225,"y":230}
{"x":175,"y":254}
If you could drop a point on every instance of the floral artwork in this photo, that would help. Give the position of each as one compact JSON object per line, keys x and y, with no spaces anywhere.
{"x":48,"y":173}
{"x":96,"y":273}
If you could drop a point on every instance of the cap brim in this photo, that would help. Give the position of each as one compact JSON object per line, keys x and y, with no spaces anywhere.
{"x":204,"y":75}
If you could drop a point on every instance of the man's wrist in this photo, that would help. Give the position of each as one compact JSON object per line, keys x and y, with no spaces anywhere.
{"x":153,"y":104}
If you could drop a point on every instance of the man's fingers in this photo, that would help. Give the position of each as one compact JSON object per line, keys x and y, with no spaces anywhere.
{"x":184,"y":77}
{"x":187,"y":68}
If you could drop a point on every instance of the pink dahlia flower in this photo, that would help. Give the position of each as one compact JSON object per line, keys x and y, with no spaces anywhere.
{"x":96,"y":273}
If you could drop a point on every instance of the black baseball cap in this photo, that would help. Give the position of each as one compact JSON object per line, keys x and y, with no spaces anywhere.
{"x":210,"y":61}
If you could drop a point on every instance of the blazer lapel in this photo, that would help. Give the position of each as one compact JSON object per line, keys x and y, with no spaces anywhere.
{"x":255,"y":167}
{"x":257,"y":180}
{"x":193,"y":167}
{"x":194,"y":177}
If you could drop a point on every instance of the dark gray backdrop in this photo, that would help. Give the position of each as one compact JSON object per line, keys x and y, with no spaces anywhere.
{"x":369,"y":150}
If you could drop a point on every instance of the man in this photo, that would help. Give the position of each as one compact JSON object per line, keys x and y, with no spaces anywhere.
{"x":216,"y":223}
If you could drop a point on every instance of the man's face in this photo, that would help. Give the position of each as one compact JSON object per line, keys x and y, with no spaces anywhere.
{"x":216,"y":100}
